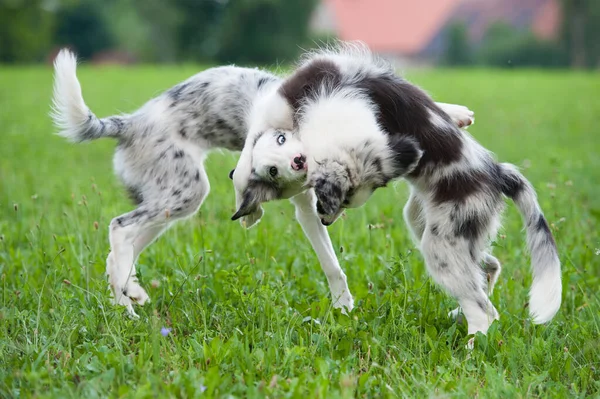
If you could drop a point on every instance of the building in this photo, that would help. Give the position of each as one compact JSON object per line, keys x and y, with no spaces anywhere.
{"x":414,"y":31}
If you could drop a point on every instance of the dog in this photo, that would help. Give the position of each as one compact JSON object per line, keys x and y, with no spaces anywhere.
{"x":340,"y":102}
{"x":160,"y":159}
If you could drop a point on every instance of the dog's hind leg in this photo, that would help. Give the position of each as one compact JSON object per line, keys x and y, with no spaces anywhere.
{"x":492,"y":269}
{"x":451,"y":261}
{"x":319,"y":238}
{"x":129,"y":235}
{"x":133,"y":231}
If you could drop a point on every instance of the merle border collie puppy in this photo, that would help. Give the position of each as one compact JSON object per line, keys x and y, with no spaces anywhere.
{"x":160,"y":159}
{"x":356,"y":120}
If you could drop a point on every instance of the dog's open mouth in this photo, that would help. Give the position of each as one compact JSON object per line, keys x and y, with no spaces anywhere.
{"x":299,"y":163}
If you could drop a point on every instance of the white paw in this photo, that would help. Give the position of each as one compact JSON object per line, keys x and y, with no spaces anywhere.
{"x":344,"y":302}
{"x":132,"y":294}
{"x":120,"y":299}
{"x":470,"y":344}
{"x":461,"y":116}
{"x":136,"y":293}
{"x":455,"y":314}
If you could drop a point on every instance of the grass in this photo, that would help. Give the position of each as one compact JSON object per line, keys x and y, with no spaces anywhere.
{"x":249,"y":311}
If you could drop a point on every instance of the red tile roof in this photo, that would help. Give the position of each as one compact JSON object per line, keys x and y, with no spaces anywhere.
{"x":405,"y":26}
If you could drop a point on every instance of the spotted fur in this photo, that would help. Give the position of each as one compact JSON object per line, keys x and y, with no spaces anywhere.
{"x":160,"y":159}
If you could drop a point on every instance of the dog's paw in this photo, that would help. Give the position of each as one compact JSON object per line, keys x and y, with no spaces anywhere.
{"x":344,"y":302}
{"x":461,"y":115}
{"x":340,"y":294}
{"x":470,"y":344}
{"x":132,"y":294}
{"x":123,"y":300}
{"x":136,"y":293}
{"x":457,"y":315}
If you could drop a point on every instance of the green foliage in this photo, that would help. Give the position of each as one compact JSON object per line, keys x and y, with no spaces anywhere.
{"x":263,"y":31}
{"x":504,"y":46}
{"x":581,"y":31}
{"x":250,"y":310}
{"x":82,"y":27}
{"x":25,"y":30}
{"x":458,"y":49}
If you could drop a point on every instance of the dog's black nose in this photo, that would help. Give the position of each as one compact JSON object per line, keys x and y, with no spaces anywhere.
{"x":325,"y":223}
{"x":300,"y":160}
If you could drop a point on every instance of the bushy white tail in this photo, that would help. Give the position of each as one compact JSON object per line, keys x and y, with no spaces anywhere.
{"x":69,"y":112}
{"x":546,"y":289}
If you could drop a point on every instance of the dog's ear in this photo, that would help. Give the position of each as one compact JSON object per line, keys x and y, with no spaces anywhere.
{"x":330,"y":197}
{"x":405,"y":155}
{"x":254,"y":195}
{"x":331,"y":182}
{"x":241,"y":179}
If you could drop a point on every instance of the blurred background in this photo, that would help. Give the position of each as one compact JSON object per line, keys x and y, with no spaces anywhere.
{"x":500,"y":33}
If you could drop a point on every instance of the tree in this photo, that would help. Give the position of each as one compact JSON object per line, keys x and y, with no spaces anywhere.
{"x":25,"y":30}
{"x":263,"y":31}
{"x":82,"y":27}
{"x":458,"y":49}
{"x":581,"y":32}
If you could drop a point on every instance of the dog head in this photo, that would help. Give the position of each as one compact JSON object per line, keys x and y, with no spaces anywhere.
{"x":349,"y":179}
{"x":272,"y":166}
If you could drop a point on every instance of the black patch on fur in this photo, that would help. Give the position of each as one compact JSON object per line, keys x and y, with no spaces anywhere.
{"x":306,"y":82}
{"x":182,"y":132}
{"x":117,"y":121}
{"x":542,"y":225}
{"x":265,"y":79}
{"x":222,"y":124}
{"x":197,"y":176}
{"x":161,"y":140}
{"x":177,"y":193}
{"x":443,"y":265}
{"x":511,"y":184}
{"x":406,"y":154}
{"x":471,"y":228}
{"x":178,"y":154}
{"x":135,"y":195}
{"x":461,"y":184}
{"x":434,"y":230}
{"x":404,"y":109}
{"x":176,"y":92}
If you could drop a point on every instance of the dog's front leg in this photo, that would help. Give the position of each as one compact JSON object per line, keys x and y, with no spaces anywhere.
{"x":318,"y":236}
{"x":460,"y":115}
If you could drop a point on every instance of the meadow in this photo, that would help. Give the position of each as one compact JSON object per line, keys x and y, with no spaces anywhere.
{"x":247,"y":313}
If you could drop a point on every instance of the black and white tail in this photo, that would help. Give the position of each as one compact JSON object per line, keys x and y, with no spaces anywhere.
{"x":546,"y":289}
{"x":69,"y":112}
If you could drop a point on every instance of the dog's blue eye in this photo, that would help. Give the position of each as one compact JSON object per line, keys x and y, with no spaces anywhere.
{"x":273,"y":170}
{"x":280,"y":139}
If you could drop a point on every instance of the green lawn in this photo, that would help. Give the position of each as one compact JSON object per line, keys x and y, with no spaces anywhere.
{"x":250,"y":310}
